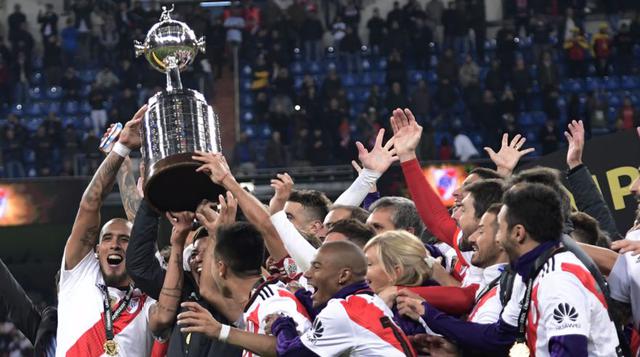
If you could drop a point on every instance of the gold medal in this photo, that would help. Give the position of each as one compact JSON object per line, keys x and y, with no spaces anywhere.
{"x":519,"y":349}
{"x":111,"y":348}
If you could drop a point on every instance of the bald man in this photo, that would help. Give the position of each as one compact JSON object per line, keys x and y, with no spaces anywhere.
{"x":99,"y":310}
{"x":353,"y":320}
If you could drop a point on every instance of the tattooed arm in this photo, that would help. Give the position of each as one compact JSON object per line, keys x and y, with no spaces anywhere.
{"x":128,"y":190}
{"x":86,"y":228}
{"x":163,"y":313}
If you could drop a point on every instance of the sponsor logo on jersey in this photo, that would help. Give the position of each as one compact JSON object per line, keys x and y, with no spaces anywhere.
{"x":316,"y":331}
{"x":566,"y":316}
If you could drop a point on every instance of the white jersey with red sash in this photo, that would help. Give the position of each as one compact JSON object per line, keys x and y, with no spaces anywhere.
{"x":488,"y":306}
{"x":272,"y":297}
{"x":81,"y":328}
{"x":565,"y":300}
{"x":462,"y":260}
{"x":358,"y":325}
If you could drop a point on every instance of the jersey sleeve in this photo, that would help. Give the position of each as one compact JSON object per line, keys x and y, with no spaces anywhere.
{"x":563,"y":305}
{"x":87,"y":268}
{"x":331,"y":334}
{"x":512,"y":308}
{"x":619,"y":280}
{"x":283,"y":305}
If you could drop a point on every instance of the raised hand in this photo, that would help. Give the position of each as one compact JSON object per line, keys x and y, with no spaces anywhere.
{"x":406,"y":134}
{"x":283,"y":185}
{"x":214,"y":165}
{"x":198,"y":319}
{"x":210,"y":219}
{"x":181,"y":222}
{"x":130,"y":135}
{"x":380,"y":157}
{"x":510,"y":153}
{"x":575,"y":137}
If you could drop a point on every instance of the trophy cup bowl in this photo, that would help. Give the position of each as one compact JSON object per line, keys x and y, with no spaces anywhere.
{"x":177,"y":123}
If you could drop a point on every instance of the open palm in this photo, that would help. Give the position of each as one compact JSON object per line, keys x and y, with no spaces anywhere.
{"x":406,"y":133}
{"x":380,"y":157}
{"x":509,"y":154}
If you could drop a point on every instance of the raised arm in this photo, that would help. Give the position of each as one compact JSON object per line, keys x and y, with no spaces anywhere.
{"x":128,"y":190}
{"x":218,"y":170}
{"x":585,"y":192}
{"x":434,"y":214}
{"x":209,"y":218}
{"x":86,"y":228}
{"x":375,"y":163}
{"x":299,"y":248}
{"x":163,"y":313}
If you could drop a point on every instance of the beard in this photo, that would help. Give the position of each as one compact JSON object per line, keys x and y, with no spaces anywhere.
{"x":115,"y":280}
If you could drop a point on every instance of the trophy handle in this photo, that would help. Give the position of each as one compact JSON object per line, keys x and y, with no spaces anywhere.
{"x":201,"y":43}
{"x":139,"y":48}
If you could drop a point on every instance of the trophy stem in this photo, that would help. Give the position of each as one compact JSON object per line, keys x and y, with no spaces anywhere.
{"x":173,"y":79}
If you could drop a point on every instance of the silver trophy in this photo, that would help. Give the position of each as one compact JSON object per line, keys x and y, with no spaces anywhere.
{"x":178,"y":122}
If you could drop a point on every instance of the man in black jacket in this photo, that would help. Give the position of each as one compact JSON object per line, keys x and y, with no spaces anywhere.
{"x":148,"y":275}
{"x":37,"y":326}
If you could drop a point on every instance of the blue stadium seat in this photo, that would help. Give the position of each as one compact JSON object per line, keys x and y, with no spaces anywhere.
{"x":246,"y":85}
{"x":71,"y":107}
{"x":592,"y":83}
{"x":37,"y":78}
{"x":611,"y":83}
{"x":314,"y":67}
{"x":432,"y":77}
{"x":264,"y":131}
{"x":296,"y":68}
{"x":382,"y":64}
{"x":490,"y":45}
{"x":366,"y":79}
{"x":246,"y":72}
{"x":247,"y":100}
{"x":35,"y":93}
{"x":33,"y":123}
{"x":629,"y":82}
{"x":416,"y":76}
{"x":613,"y":114}
{"x":351,"y":95}
{"x":349,"y":80}
{"x":34,"y":110}
{"x":247,"y":117}
{"x":614,"y":100}
{"x":599,"y":131}
{"x":366,"y":65}
{"x":379,"y":78}
{"x":525,"y":119}
{"x":85,"y":107}
{"x":539,"y":118}
{"x":53,"y":106}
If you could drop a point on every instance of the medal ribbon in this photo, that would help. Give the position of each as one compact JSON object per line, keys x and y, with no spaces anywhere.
{"x":109,"y":316}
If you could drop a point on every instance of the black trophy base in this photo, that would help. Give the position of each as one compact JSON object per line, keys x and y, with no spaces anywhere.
{"x":173,"y":185}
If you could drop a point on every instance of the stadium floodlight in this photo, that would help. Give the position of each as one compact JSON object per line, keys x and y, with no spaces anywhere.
{"x":215,"y":3}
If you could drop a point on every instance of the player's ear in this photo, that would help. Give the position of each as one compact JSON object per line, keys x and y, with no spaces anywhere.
{"x":344,"y":277}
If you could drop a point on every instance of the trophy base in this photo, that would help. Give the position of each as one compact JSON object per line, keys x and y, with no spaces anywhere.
{"x":173,"y":185}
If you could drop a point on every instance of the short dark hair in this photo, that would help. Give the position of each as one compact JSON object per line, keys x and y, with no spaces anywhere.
{"x":315,"y":203}
{"x":405,"y":214}
{"x":241,"y":248}
{"x":588,"y":230}
{"x":485,"y":173}
{"x":355,"y":231}
{"x":536,"y":207}
{"x":485,"y":193}
{"x":548,"y":177}
{"x":494,"y":209}
{"x":358,"y":213}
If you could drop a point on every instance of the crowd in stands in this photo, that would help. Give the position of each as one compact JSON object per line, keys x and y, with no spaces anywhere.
{"x":311,"y":86}
{"x":57,"y":97}
{"x":316,"y":77}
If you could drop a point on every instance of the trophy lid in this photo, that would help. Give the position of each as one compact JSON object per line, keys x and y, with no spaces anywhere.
{"x":170,"y":43}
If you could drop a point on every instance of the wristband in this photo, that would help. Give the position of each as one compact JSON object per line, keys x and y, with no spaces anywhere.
{"x":224,"y":333}
{"x":121,"y":150}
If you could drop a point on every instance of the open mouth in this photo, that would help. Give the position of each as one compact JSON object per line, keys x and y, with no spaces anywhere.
{"x":114,"y":259}
{"x":199,"y":269}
